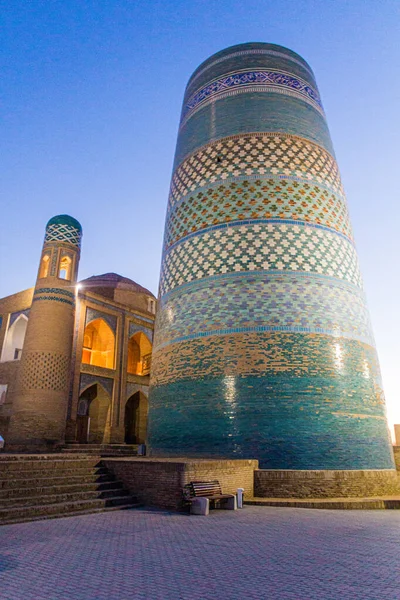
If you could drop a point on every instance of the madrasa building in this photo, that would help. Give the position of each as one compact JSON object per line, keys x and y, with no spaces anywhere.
{"x":75,"y":357}
{"x":263,"y":346}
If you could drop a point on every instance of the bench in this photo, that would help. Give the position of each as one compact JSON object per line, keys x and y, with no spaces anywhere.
{"x":201,"y":494}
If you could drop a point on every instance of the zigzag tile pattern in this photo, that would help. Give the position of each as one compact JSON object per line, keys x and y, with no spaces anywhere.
{"x":272,"y":198}
{"x":260,"y":247}
{"x":259,"y":302}
{"x":252,"y":156}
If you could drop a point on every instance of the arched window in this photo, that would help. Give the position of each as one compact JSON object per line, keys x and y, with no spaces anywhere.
{"x":139,"y":354}
{"x":151,"y":305}
{"x":14,"y":341}
{"x":98,"y":345}
{"x":44,"y":266}
{"x":64,"y":271}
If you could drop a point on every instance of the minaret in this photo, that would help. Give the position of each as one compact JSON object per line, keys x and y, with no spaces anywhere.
{"x":41,"y":395}
{"x":263,"y":344}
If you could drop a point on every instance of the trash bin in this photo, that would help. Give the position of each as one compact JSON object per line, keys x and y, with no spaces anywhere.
{"x":141,"y":450}
{"x":240,"y":494}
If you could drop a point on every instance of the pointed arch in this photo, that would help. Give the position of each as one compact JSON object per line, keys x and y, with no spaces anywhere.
{"x":136,"y":413}
{"x":14,"y":340}
{"x":65,"y":268}
{"x":139,"y":354}
{"x":98,"y":344}
{"x":94,"y":415}
{"x":44,"y":266}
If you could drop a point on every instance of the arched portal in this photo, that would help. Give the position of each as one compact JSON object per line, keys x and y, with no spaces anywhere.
{"x":94,"y":416}
{"x":98,"y":344}
{"x":14,"y":341}
{"x":136,"y":411}
{"x":139,"y":354}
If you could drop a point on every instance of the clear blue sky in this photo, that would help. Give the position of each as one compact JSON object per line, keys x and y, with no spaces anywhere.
{"x":91,"y":94}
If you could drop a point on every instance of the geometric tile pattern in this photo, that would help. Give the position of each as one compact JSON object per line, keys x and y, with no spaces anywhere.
{"x":61,"y":291}
{"x":251,"y":81}
{"x":86,"y":380}
{"x":45,"y":371}
{"x":53,"y":298}
{"x":260,"y":247}
{"x":253,"y":156}
{"x":93,"y":314}
{"x":54,"y":260}
{"x":134,"y":328}
{"x":63,"y":233}
{"x":54,"y":294}
{"x":272,"y":198}
{"x":290,"y":302}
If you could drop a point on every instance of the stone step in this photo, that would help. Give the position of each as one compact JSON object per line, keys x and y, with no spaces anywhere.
{"x":100,"y":446}
{"x":23,"y":465}
{"x":59,"y":489}
{"x":39,"y":473}
{"x":77,"y":513}
{"x":6,"y":457}
{"x":66,"y":496}
{"x":70,"y":451}
{"x":101,"y":449}
{"x":386,"y":502}
{"x":45,"y":481}
{"x":61,"y":509}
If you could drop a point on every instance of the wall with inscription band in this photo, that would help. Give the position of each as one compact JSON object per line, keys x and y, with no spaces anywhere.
{"x":263,"y":343}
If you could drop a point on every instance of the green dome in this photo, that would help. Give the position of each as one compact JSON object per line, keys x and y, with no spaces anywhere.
{"x":64,"y":220}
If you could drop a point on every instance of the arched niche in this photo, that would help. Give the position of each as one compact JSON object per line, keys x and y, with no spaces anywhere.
{"x":98,"y":344}
{"x":14,"y":341}
{"x":139,"y":354}
{"x":65,"y":268}
{"x":136,"y":413}
{"x":44,"y":266}
{"x":94,"y":415}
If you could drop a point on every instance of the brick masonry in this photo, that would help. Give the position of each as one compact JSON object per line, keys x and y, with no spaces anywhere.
{"x":325,"y":484}
{"x":396,"y":452}
{"x":41,"y":390}
{"x":159,"y":482}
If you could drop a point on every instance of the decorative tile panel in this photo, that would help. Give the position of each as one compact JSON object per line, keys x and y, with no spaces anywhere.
{"x":45,"y":371}
{"x":87,"y":380}
{"x":256,"y":156}
{"x":92,"y":314}
{"x":258,"y":302}
{"x":254,"y":81}
{"x":260,"y":247}
{"x":63,"y":233}
{"x":273,"y":198}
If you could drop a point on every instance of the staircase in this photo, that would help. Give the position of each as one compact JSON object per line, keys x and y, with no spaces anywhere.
{"x":102,"y":449}
{"x":58,"y":485}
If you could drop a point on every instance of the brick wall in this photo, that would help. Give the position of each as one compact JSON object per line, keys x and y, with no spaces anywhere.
{"x":159,"y":482}
{"x":396,"y":452}
{"x":325,"y":484}
{"x":397,"y":434}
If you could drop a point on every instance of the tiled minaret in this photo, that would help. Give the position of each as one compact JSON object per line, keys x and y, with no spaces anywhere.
{"x":263,"y":343}
{"x":41,"y":395}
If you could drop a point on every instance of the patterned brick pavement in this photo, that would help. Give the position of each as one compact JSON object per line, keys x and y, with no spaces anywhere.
{"x":256,"y":553}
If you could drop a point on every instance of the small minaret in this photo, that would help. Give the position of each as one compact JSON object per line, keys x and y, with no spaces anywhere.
{"x":41,"y":395}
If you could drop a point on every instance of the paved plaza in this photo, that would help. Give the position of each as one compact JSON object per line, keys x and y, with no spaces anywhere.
{"x":269,"y":553}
